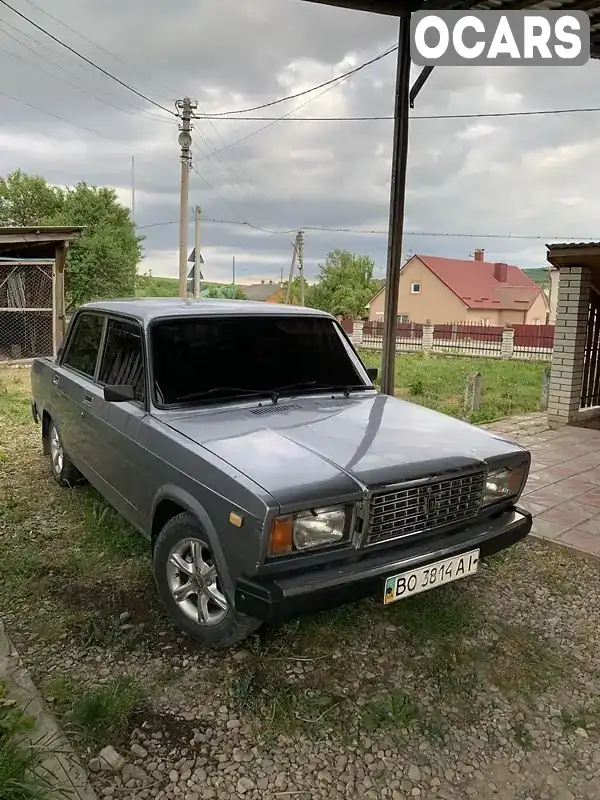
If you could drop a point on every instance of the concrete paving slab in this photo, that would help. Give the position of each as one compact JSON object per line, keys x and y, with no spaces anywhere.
{"x":61,"y":766}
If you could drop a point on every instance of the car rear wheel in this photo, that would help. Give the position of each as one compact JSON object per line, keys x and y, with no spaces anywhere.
{"x":189,"y":586}
{"x":65,"y":473}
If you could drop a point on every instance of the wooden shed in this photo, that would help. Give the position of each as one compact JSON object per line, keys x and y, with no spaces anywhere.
{"x":32,"y":290}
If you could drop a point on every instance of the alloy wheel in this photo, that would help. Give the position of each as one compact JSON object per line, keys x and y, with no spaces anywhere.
{"x":194,"y":582}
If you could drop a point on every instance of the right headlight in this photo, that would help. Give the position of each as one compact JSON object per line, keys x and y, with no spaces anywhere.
{"x":504,"y":483}
{"x":310,"y":530}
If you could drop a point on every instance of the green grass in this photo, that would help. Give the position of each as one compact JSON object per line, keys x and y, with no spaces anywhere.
{"x":19,"y":779}
{"x":438,"y":382}
{"x":448,"y":611}
{"x":99,"y":716}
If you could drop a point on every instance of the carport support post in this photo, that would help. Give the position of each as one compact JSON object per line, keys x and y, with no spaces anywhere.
{"x":58,"y":296}
{"x":397,"y":197}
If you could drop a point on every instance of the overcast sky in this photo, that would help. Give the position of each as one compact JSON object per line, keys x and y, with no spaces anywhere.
{"x":528,"y":176}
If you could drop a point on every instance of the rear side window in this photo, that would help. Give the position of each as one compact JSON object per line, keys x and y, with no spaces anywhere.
{"x":82,"y":352}
{"x":122,"y":360}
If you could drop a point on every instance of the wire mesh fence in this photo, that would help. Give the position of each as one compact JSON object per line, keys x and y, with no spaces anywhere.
{"x":25,"y":311}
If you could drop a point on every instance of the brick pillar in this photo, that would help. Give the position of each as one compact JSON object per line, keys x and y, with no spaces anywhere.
{"x":357,"y":332}
{"x":566,"y":375}
{"x":427,"y":340}
{"x":507,"y":347}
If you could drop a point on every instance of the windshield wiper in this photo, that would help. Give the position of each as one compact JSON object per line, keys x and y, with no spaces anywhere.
{"x":232,"y":391}
{"x":273,"y":394}
{"x":313,"y":386}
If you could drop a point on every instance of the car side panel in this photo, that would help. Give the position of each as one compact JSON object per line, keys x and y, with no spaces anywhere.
{"x":172,"y":467}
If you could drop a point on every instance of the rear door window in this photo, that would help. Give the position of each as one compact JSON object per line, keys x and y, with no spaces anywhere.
{"x":84,"y":344}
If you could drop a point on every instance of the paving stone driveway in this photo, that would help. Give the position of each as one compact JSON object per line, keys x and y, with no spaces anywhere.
{"x":563,"y":491}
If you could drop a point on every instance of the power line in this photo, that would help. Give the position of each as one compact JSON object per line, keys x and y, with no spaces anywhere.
{"x":93,"y":43}
{"x":306,"y":91}
{"x":139,"y":111}
{"x":491,"y":115}
{"x":209,"y":145}
{"x":87,"y":60}
{"x":87,"y":92}
{"x":279,"y":119}
{"x":317,"y":228}
{"x":82,"y":127}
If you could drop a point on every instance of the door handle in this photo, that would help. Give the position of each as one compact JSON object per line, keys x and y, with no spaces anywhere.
{"x":55,"y":379}
{"x":87,"y":400}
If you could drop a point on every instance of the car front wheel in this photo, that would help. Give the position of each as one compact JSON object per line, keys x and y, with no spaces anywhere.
{"x":189,"y":586}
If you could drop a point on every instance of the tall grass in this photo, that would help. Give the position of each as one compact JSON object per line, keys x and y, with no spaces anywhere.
{"x":509,"y":387}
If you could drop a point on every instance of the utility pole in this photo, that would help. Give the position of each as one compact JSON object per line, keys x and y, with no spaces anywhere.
{"x":132,"y":190}
{"x":185,"y":107}
{"x":197,"y":213}
{"x":233,"y":276}
{"x":292,"y":265}
{"x":300,"y":248}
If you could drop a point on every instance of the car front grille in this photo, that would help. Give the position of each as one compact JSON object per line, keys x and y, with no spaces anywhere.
{"x":411,"y":510}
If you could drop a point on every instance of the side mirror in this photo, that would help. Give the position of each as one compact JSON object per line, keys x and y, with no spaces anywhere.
{"x":119,"y":393}
{"x":372,"y":372}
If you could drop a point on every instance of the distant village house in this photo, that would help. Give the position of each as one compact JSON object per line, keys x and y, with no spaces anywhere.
{"x":465,"y":290}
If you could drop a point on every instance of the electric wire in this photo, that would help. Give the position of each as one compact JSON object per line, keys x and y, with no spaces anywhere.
{"x":95,"y":44}
{"x":483,"y":115}
{"x":143,"y":111}
{"x":87,"y":60}
{"x":84,"y":91}
{"x":361,"y":231}
{"x":347,"y":74}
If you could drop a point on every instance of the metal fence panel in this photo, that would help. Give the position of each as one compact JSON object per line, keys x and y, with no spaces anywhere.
{"x":25,"y":311}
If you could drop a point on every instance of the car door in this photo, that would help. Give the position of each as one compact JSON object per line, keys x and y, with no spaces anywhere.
{"x":122,"y":364}
{"x":73,"y":392}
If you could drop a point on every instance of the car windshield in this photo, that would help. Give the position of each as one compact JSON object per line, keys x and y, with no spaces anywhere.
{"x":205,"y":359}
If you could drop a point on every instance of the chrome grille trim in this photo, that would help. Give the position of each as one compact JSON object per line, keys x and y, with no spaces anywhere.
{"x":414,"y":508}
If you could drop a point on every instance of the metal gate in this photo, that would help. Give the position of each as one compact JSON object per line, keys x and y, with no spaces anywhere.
{"x":25,"y":309}
{"x":590,"y":390}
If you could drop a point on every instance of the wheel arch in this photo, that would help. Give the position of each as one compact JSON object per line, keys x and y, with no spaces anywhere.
{"x":173,"y":500}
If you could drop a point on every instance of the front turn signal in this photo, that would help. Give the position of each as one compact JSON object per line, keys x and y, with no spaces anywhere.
{"x":281,"y":536}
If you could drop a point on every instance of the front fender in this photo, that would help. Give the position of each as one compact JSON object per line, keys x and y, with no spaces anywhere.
{"x":189,"y":503}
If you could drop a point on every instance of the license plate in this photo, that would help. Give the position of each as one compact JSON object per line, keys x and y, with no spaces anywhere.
{"x":397,"y":587}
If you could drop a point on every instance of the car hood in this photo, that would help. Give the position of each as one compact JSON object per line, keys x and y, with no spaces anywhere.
{"x":308,"y":449}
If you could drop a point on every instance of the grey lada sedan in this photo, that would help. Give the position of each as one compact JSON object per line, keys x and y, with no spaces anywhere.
{"x":248,"y":443}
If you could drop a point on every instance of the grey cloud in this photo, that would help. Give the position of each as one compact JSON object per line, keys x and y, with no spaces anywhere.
{"x":519,"y":176}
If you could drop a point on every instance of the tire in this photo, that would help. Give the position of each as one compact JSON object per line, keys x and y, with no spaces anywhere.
{"x":188,"y":584}
{"x":63,"y":470}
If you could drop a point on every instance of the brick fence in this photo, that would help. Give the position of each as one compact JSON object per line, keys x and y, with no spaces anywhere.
{"x":529,"y":342}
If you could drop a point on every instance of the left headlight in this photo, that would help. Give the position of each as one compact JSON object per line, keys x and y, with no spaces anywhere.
{"x":504,"y":483}
{"x":310,"y":530}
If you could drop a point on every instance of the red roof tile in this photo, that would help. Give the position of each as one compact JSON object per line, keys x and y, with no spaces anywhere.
{"x":475,"y":284}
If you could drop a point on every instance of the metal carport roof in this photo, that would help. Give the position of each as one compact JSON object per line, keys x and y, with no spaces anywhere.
{"x":403,"y":10}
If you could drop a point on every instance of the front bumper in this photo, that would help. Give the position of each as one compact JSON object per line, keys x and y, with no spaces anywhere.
{"x":286,"y":596}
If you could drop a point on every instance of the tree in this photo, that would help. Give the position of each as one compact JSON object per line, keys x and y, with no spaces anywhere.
{"x":103,"y":261}
{"x":27,"y":200}
{"x":344,"y":285}
{"x":224,"y":292}
{"x":294,"y":292}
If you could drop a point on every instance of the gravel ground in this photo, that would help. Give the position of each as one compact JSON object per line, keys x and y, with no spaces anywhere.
{"x":487,"y":688}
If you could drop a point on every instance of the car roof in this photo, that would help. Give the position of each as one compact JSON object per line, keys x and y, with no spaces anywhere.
{"x":148,"y":309}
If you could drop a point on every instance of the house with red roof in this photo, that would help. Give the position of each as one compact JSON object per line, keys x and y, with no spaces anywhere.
{"x":465,"y":290}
